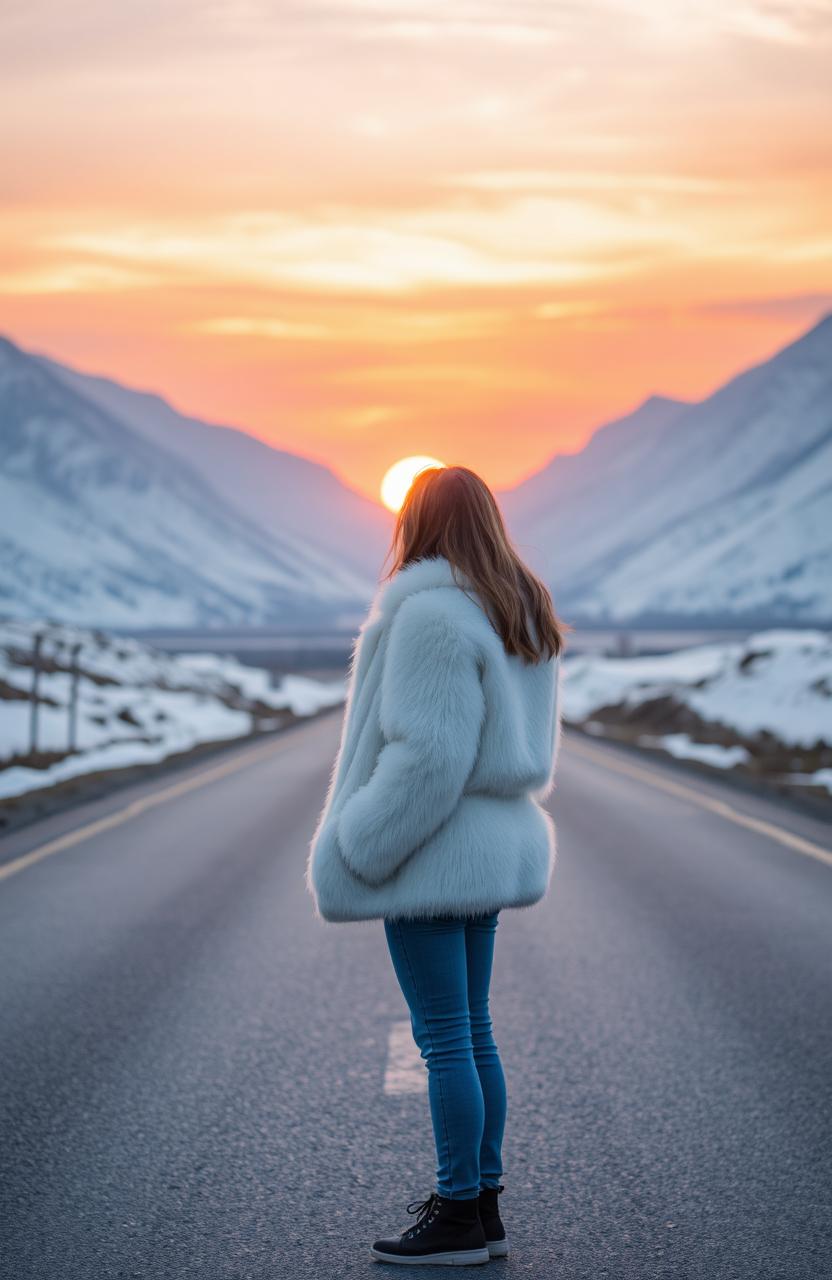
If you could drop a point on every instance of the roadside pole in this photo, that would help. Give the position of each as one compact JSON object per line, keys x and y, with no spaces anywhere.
{"x":75,"y":677}
{"x":33,"y":711}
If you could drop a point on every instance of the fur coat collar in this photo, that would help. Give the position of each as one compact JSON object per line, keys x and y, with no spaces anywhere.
{"x":418,"y":575}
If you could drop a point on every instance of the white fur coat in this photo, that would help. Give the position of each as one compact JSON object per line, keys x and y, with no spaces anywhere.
{"x":448,"y":745}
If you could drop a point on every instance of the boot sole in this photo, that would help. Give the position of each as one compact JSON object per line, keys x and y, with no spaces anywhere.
{"x":456,"y":1258}
{"x":497,"y":1248}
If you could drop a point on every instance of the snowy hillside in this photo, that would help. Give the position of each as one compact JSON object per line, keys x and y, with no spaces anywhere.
{"x":116,"y":510}
{"x":764,"y":704}
{"x":717,"y":511}
{"x":614,"y":449}
{"x":100,"y":526}
{"x":135,"y":705}
{"x":284,"y":493}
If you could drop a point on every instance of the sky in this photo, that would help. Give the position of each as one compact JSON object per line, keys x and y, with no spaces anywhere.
{"x":363,"y":229}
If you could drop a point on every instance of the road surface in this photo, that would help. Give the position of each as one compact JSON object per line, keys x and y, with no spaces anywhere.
{"x":201,"y":1080}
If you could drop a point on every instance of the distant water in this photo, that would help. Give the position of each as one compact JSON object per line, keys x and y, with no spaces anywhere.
{"x":302,"y":649}
{"x":626,"y":643}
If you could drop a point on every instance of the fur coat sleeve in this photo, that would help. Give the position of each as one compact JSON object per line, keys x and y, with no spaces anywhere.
{"x":431,"y":711}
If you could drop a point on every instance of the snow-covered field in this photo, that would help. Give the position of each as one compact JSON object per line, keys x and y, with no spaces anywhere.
{"x":135,"y":705}
{"x":764,"y":703}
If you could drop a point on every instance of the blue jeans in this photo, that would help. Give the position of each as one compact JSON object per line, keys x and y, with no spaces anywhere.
{"x":444,"y":970}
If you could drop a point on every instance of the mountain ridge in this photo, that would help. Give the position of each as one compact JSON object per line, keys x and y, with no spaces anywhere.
{"x":280,"y":489}
{"x":674,"y":512}
{"x":101,"y":525}
{"x":647,"y":531}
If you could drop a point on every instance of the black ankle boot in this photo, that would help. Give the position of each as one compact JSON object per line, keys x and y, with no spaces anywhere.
{"x":445,"y":1231}
{"x":495,"y":1232}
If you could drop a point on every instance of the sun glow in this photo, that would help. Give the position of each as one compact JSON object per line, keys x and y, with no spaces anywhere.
{"x":398,"y":478}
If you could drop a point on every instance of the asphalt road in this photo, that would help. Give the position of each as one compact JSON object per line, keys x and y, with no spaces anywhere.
{"x":192,"y":1067}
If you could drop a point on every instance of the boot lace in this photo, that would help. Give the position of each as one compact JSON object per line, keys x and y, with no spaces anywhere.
{"x":425,"y":1210}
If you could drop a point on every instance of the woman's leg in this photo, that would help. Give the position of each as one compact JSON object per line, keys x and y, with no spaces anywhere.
{"x":479,"y":940}
{"x":429,"y":957}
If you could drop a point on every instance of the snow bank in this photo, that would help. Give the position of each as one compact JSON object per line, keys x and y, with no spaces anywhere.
{"x":135,"y":704}
{"x":777,"y":682}
{"x":727,"y":704}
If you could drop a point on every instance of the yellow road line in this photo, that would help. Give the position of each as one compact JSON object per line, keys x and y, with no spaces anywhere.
{"x":727,"y":811}
{"x":152,"y":801}
{"x":244,"y":761}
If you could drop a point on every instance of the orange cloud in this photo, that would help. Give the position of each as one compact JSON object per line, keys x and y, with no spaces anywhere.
{"x":371,"y":228}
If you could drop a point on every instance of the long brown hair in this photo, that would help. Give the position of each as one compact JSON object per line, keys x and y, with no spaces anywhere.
{"x":451,"y":512}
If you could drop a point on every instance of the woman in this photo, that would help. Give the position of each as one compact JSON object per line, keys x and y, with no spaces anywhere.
{"x":433,"y":821}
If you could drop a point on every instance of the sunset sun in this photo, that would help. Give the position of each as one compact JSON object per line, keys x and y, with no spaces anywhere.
{"x":398,"y":479}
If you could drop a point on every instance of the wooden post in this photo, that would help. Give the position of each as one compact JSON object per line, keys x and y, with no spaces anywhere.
{"x":33,"y":711}
{"x":75,"y":676}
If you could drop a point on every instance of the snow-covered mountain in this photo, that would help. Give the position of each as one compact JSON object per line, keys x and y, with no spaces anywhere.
{"x":711,"y":511}
{"x":100,"y":525}
{"x":282,"y":492}
{"x":116,"y":510}
{"x":531,"y":501}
